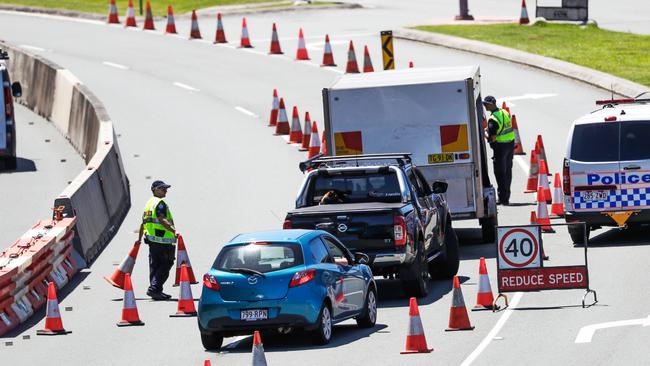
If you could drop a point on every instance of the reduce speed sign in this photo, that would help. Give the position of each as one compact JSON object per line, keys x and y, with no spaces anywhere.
{"x":519,"y":247}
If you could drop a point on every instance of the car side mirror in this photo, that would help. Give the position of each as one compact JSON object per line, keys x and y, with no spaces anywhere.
{"x":361,"y":258}
{"x":439,"y":187}
{"x":16,"y":90}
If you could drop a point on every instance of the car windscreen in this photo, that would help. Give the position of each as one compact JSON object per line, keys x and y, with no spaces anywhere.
{"x":354,"y":188}
{"x":635,"y":140}
{"x":595,"y":142}
{"x":259,"y":257}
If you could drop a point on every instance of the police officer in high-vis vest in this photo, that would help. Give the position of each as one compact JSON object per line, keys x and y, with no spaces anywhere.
{"x":159,"y":232}
{"x":501,"y":137}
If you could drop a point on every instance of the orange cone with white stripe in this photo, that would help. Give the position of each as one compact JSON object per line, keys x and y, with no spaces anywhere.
{"x":328,"y":56}
{"x":185,"y":299}
{"x":53,"y":322}
{"x":171,"y":23}
{"x":275,"y":42}
{"x":273,"y":118}
{"x":258,"y":350}
{"x":148,"y":19}
{"x":542,"y":212}
{"x":295,"y":134}
{"x":282,"y":127}
{"x":523,"y":18}
{"x":533,"y":218}
{"x":484,"y":298}
{"x":416,"y":342}
{"x":314,"y":142}
{"x":301,"y":53}
{"x":245,"y":41}
{"x":126,"y":267}
{"x":367,"y":63}
{"x":352,"y":66}
{"x":129,"y":309}
{"x":533,"y":173}
{"x":557,"y":207}
{"x":112,"y":14}
{"x":458,"y":318}
{"x":519,"y":147}
{"x":195,"y":33}
{"x":183,"y":258}
{"x":220,"y":36}
{"x":541,"y":152}
{"x":542,"y":181}
{"x":130,"y":16}
{"x":306,"y":133}
{"x":411,"y":64}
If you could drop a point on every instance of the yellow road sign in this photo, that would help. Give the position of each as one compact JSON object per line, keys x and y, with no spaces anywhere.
{"x":387,"y":50}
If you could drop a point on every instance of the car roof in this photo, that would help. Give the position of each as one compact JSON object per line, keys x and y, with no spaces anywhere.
{"x":291,"y":235}
{"x":622,"y":112}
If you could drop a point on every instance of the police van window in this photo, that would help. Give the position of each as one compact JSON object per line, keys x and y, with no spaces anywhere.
{"x":595,"y":142}
{"x":635,"y":140}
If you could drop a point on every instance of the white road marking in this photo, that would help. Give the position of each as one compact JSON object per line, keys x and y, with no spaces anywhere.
{"x":117,"y":66}
{"x":184,"y":86}
{"x":57,"y":17}
{"x":495,"y":330}
{"x":522,"y":163}
{"x":32,"y":48}
{"x":246,"y":112}
{"x":235,"y":342}
{"x":317,"y":46}
{"x":527,"y":96}
{"x":586,"y":333}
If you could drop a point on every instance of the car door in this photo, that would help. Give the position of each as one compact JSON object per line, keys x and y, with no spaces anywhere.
{"x":436,"y":204}
{"x":332,"y":275}
{"x":635,"y":164}
{"x":428,"y":215}
{"x":351,"y":290}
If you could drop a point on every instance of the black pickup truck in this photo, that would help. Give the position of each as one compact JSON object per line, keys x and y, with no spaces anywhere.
{"x":381,"y":205}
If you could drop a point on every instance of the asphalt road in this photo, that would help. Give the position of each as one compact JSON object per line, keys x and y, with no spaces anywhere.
{"x":194,"y":114}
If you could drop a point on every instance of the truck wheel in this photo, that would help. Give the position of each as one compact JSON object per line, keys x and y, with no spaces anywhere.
{"x":488,"y":231}
{"x":577,"y":233}
{"x":448,"y":266}
{"x":414,"y":277}
{"x":212,"y":342}
{"x":369,"y":317}
{"x":323,"y":333}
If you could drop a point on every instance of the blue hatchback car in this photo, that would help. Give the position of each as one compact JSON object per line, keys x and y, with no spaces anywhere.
{"x":284,"y":280}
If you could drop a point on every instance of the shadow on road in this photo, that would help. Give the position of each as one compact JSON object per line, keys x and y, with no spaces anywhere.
{"x":22,"y":166}
{"x":620,"y":238}
{"x":469,"y":236}
{"x":391,"y":295}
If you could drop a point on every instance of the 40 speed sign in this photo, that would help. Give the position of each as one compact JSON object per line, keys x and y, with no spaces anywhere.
{"x":519,"y":247}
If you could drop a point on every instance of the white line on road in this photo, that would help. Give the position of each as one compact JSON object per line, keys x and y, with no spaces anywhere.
{"x":246,"y":111}
{"x":586,"y":333}
{"x":497,"y":327}
{"x":32,"y":48}
{"x":57,"y":17}
{"x":522,"y":163}
{"x":533,"y":96}
{"x":117,"y":66}
{"x":184,"y":86}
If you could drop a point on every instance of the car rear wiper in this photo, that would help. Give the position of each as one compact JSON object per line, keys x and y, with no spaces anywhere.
{"x":247,"y":271}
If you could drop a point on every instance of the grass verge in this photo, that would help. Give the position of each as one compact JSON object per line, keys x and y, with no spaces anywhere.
{"x":617,"y":53}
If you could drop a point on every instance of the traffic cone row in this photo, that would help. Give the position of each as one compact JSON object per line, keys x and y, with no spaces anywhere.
{"x":112,"y":14}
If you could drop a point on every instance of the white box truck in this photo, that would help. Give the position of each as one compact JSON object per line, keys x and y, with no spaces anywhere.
{"x":435,"y":114}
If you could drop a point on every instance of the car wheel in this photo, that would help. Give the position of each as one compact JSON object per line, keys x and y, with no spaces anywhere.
{"x":414,"y":278}
{"x":447,"y":267}
{"x":369,"y":317}
{"x":212,"y":342}
{"x":577,"y":233}
{"x":488,"y":231}
{"x":323,"y":333}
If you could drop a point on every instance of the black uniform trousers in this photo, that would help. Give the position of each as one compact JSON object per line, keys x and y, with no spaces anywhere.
{"x":503,"y":154}
{"x":161,"y":261}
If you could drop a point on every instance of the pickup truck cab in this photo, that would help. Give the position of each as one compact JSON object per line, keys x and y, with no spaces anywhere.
{"x":381,"y":205}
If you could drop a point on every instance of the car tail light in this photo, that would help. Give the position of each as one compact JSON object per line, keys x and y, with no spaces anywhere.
{"x":8,"y":102}
{"x":610,"y":119}
{"x":399,"y":230}
{"x":302,"y":277}
{"x":287,"y":224}
{"x":566,"y":178}
{"x":210,"y":282}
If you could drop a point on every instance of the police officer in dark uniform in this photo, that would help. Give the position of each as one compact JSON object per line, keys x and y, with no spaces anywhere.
{"x":501,"y":137}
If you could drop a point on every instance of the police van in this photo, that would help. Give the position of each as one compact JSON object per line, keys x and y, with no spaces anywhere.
{"x":606,"y":172}
{"x":7,"y":122}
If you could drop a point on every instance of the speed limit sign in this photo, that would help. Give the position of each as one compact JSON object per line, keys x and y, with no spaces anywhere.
{"x":519,"y":247}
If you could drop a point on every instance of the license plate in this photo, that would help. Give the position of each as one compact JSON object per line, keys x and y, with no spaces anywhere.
{"x":441,"y":158}
{"x":594,"y":195}
{"x":254,"y":314}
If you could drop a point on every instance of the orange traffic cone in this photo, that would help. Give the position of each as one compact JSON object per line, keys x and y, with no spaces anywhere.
{"x":207,"y":363}
{"x":411,"y":64}
{"x":112,"y":14}
{"x":557,"y":207}
{"x":533,"y":172}
{"x":245,"y":41}
{"x":543,"y":182}
{"x":117,"y":278}
{"x":314,"y":142}
{"x":183,"y":259}
{"x":416,"y":342}
{"x":171,"y":24}
{"x":195,"y":33}
{"x":295,"y":134}
{"x":220,"y":36}
{"x":53,"y":322}
{"x":352,"y":66}
{"x":148,"y":19}
{"x":533,"y":218}
{"x":258,"y":350}
{"x":458,"y":318}
{"x":367,"y":63}
{"x":130,"y":16}
{"x":129,"y":310}
{"x":301,"y":53}
{"x":282,"y":127}
{"x":523,"y":18}
{"x":484,"y":298}
{"x":541,"y":152}
{"x":306,"y":133}
{"x":275,"y":42}
{"x":328,"y":56}
{"x":519,"y":148}
{"x":185,"y":299}
{"x":273,"y":118}
{"x":542,"y":212}
{"x":323,"y":144}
